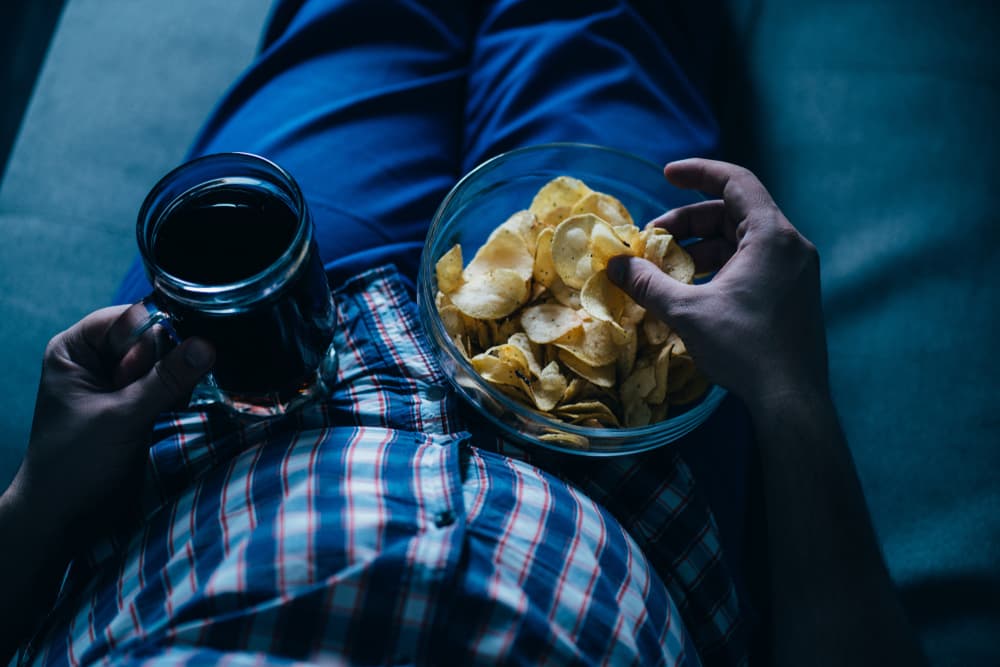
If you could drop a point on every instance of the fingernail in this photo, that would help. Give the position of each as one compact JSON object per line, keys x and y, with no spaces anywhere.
{"x":199,"y":355}
{"x":618,"y":268}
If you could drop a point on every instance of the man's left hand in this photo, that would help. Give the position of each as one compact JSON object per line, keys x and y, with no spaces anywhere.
{"x":96,"y":405}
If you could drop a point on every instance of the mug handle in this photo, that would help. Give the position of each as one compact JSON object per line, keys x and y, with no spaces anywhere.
{"x":154,"y":316}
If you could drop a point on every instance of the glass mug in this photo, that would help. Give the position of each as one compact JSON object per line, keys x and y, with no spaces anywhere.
{"x":227,"y":243}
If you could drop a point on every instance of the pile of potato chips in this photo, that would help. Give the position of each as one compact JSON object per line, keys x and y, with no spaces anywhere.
{"x":538,"y":318}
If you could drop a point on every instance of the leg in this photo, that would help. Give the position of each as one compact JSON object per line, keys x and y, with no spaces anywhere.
{"x":608,"y":72}
{"x":361,"y":101}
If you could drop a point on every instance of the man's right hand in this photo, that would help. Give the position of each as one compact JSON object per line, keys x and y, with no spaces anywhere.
{"x":757,"y":326}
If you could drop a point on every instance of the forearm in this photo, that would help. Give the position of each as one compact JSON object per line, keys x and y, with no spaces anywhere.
{"x":832,"y":599}
{"x":32,"y":561}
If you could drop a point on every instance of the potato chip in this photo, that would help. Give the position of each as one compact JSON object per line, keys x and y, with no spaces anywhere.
{"x":637,"y":415}
{"x":602,"y":299}
{"x":655,"y":330}
{"x":575,"y":413}
{"x":492,"y":295}
{"x":544,"y":270}
{"x":594,"y":346}
{"x":681,"y":371}
{"x":525,"y":225}
{"x":629,"y":234}
{"x":549,"y":322}
{"x":571,"y":440}
{"x":632,"y":314}
{"x":576,"y":389}
{"x":565,"y":295}
{"x":559,"y":192}
{"x":605,"y":207}
{"x":504,"y":249}
{"x":694,"y":388}
{"x":663,"y":250}
{"x":453,"y":320}
{"x":661,"y":371}
{"x":627,"y":352}
{"x":571,"y":248}
{"x":449,"y":270}
{"x":674,"y":341}
{"x":530,"y":351}
{"x":605,"y":244}
{"x":550,"y":387}
{"x":555,"y":216}
{"x":639,"y":384}
{"x":602,"y":376}
{"x":497,"y":371}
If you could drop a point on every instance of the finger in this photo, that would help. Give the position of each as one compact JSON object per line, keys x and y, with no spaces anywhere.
{"x":129,"y":358}
{"x":93,"y":329}
{"x":81,"y":343}
{"x":711,"y":254}
{"x":171,"y":380}
{"x":649,"y":286}
{"x":740,"y":189}
{"x":706,"y":219}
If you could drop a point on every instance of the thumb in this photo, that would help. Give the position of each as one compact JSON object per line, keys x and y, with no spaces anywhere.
{"x":651,"y":288}
{"x":171,"y":380}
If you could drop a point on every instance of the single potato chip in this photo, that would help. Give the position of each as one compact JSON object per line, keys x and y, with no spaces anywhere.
{"x":530,"y":351}
{"x":565,"y":295}
{"x":661,"y":370}
{"x":663,"y":250}
{"x":681,"y":371}
{"x":637,"y":415}
{"x":571,"y":248}
{"x":605,"y":207}
{"x":491,"y":295}
{"x":595,"y":346}
{"x":525,"y":225}
{"x":571,"y":440}
{"x":602,"y":299}
{"x":602,"y":376}
{"x":544,"y":270}
{"x":655,"y":330}
{"x":504,"y":249}
{"x":449,"y":270}
{"x":550,"y":387}
{"x":549,"y":322}
{"x":576,"y":413}
{"x":559,"y":192}
{"x":605,"y":244}
{"x":639,"y":384}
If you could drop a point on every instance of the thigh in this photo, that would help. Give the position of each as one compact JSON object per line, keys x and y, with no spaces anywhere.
{"x":362,"y":102}
{"x":630,"y":75}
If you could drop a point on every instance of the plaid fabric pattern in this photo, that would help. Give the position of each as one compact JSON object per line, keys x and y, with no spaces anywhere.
{"x":374,"y":529}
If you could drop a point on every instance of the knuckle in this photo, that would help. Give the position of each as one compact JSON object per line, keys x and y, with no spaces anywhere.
{"x":644,"y":286}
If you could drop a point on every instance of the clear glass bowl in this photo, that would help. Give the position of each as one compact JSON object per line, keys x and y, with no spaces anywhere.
{"x":486,"y":197}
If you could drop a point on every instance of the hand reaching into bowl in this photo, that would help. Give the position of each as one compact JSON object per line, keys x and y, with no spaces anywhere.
{"x":757,"y":328}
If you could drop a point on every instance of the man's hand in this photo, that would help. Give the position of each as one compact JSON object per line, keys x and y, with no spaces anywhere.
{"x":757,"y":326}
{"x":93,"y":416}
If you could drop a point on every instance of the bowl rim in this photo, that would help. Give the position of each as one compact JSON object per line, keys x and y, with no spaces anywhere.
{"x":439,"y":336}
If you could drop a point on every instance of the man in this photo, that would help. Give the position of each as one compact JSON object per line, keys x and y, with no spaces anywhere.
{"x":372,"y":528}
